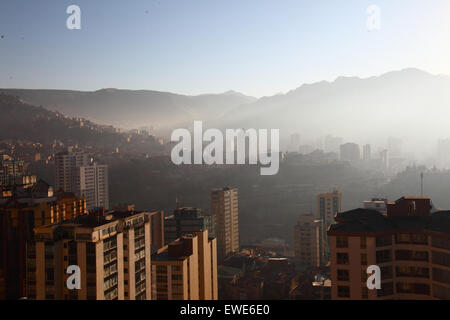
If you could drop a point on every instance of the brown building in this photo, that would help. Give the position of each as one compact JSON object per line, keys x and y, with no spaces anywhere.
{"x":112,"y":251}
{"x":224,"y":208}
{"x":410,"y":244}
{"x":26,"y":209}
{"x":186,"y":269}
{"x":308,"y":250}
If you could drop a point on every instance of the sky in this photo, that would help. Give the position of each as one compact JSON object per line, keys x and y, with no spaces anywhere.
{"x":257,"y":47}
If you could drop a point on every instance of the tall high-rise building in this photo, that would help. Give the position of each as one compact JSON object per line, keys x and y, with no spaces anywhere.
{"x":112,"y":251}
{"x":224,"y":208}
{"x":66,"y":165}
{"x":20,"y":214}
{"x":186,"y":269}
{"x":74,"y":172}
{"x":409,"y":243}
{"x":350,"y":152}
{"x":328,"y":204}
{"x":308,"y":248}
{"x":384,"y":157}
{"x":187,"y":220}
{"x":92,"y":183}
{"x":367,"y":153}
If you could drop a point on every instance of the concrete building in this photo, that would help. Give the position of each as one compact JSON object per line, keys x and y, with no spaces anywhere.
{"x":74,"y":172}
{"x":186,"y":269}
{"x":187,"y":220}
{"x":224,"y":208}
{"x":24,"y":210}
{"x":350,"y":152}
{"x":92,"y":183}
{"x":367,"y":153}
{"x":308,"y":242}
{"x":410,"y":244}
{"x":112,"y":251}
{"x":66,"y":165}
{"x":384,"y":157}
{"x":328,"y":204}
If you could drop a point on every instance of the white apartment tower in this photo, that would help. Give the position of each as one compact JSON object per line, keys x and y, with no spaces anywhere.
{"x":74,"y":172}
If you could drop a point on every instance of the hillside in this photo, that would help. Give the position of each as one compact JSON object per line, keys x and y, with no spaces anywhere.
{"x":132,"y":109}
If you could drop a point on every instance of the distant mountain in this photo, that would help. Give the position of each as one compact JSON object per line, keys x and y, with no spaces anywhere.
{"x":23,"y":122}
{"x":407,"y":102}
{"x":398,"y":103}
{"x":127,"y":108}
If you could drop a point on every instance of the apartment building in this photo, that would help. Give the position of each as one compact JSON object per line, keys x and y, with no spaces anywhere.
{"x":328,"y":204}
{"x":187,"y":220}
{"x":74,"y":172}
{"x":26,"y":209}
{"x":308,"y":251}
{"x":410,"y":244}
{"x":112,"y":251}
{"x":186,"y":269}
{"x":92,"y":183}
{"x":224,"y":208}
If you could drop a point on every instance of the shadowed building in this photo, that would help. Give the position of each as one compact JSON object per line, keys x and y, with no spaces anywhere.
{"x":187,"y":220}
{"x":24,"y":210}
{"x":112,"y":251}
{"x":186,"y":269}
{"x":410,"y":244}
{"x":328,"y":204}
{"x":307,"y":242}
{"x":224,"y":208}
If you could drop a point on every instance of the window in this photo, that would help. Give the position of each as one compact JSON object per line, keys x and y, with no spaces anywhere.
{"x":383,"y":256}
{"x":414,"y":272}
{"x":386,"y":272}
{"x":342,"y":258}
{"x":343,"y":291}
{"x":415,"y":288}
{"x":441,"y":275}
{"x":440,"y":258}
{"x":363,"y":242}
{"x":363,"y":259}
{"x":440,"y":243}
{"x":384,"y":241}
{"x":343,"y":275}
{"x":364,"y":275}
{"x":341,"y":242}
{"x":411,"y":255}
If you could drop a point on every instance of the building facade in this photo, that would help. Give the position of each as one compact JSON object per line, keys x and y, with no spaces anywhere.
{"x":224,"y":209}
{"x":308,"y":251}
{"x":350,"y":152}
{"x":186,"y":269}
{"x":410,"y":244}
{"x":111,"y":250}
{"x":74,"y":172}
{"x":187,"y":220}
{"x":20,"y":214}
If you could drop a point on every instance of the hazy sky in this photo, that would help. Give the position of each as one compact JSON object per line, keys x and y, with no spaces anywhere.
{"x":258,"y":47}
